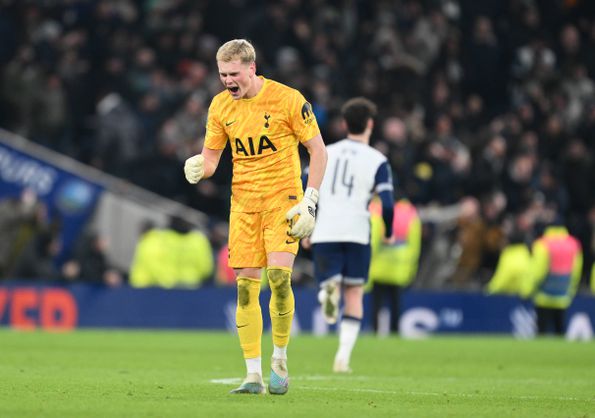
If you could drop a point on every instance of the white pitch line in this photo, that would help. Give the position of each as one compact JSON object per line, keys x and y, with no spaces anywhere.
{"x":236,"y":380}
{"x":226,"y":381}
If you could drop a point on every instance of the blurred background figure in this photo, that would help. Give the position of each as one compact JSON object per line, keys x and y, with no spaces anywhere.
{"x":117,"y":141}
{"x":557,"y":265}
{"x":174,"y":257}
{"x":225,"y":275}
{"x":90,"y":264}
{"x":441,"y":250}
{"x":22,"y":218}
{"x":513,"y":270}
{"x":394,"y":265}
{"x":36,"y":261}
{"x":480,"y":238}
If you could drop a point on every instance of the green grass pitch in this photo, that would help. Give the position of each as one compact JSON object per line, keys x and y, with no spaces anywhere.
{"x":189,"y":374}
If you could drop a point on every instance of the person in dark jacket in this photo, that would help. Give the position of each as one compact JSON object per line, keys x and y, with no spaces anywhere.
{"x":90,"y":263}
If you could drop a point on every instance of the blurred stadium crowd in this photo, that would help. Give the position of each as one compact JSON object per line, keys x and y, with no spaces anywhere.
{"x":487,"y":108}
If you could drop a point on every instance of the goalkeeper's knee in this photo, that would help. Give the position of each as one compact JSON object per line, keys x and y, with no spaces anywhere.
{"x":282,"y":296}
{"x":248,"y":292}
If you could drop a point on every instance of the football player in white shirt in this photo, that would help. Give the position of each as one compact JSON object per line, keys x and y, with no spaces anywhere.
{"x":355,"y":172}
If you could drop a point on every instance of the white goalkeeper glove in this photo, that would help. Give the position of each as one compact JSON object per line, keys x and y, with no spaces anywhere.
{"x":194,"y":168}
{"x":306,"y":210}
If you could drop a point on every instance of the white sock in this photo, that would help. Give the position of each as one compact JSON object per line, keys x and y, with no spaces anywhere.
{"x":348,"y":332}
{"x":254,"y":365}
{"x":280,"y":352}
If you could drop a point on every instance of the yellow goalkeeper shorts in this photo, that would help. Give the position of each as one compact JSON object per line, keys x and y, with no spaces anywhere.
{"x":253,"y":235}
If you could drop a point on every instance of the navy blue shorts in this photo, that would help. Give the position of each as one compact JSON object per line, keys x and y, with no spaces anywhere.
{"x":345,"y":261}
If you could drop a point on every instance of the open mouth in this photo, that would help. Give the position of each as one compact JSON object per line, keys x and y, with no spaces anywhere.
{"x":233,"y":89}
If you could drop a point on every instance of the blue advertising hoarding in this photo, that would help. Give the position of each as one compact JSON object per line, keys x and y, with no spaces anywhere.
{"x":29,"y":306}
{"x":69,"y":198}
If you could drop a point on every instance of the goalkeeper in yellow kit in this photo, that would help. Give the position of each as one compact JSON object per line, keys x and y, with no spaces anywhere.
{"x":264,"y":121}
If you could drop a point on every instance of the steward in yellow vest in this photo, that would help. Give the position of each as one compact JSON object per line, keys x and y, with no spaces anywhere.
{"x":513,"y":271}
{"x":394,"y":264}
{"x":172,"y":258}
{"x":557,"y":265}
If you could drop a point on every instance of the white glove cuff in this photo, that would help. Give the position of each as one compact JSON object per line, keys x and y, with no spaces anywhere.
{"x":312,"y":194}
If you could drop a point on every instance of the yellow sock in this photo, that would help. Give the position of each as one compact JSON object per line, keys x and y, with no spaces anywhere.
{"x":282,"y":305}
{"x":249,"y":316}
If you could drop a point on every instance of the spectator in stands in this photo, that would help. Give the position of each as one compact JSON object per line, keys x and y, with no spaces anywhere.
{"x":50,"y":121}
{"x":484,"y":64}
{"x":186,"y":125}
{"x":480,"y":238}
{"x":22,"y":78}
{"x":521,"y":172}
{"x":159,"y":171}
{"x":37,"y":261}
{"x":488,"y":171}
{"x":117,"y":140}
{"x":442,"y":253}
{"x":450,"y":162}
{"x":90,"y":263}
{"x":21,"y":218}
{"x":175,"y":257}
{"x":399,"y":148}
{"x":530,"y":85}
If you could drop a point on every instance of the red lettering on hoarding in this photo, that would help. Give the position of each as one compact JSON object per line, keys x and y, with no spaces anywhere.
{"x":27,"y":308}
{"x":58,"y":310}
{"x":22,"y":301}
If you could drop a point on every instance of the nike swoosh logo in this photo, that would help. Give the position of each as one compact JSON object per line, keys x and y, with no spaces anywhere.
{"x":290,"y":242}
{"x":241,"y":326}
{"x":229,"y":123}
{"x":284,"y":313}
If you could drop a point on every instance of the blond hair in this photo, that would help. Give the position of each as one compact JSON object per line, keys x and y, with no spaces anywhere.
{"x":237,"y":49}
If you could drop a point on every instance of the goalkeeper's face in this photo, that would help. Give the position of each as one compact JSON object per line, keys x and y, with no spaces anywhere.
{"x":237,"y":77}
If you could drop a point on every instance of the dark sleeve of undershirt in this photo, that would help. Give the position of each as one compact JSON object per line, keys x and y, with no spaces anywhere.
{"x":383,"y":184}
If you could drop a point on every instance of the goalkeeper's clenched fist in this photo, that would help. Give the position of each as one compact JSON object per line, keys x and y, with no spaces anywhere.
{"x":194,"y":168}
{"x":306,"y":210}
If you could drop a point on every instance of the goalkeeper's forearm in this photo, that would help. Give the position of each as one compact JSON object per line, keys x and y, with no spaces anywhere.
{"x":318,"y":157}
{"x":212,"y":157}
{"x":210,"y":169}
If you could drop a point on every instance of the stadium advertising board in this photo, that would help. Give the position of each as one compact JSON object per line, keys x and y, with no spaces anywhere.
{"x":424,"y":313}
{"x":70,"y":199}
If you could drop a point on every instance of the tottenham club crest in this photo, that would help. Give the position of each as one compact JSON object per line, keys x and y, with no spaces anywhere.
{"x":266,"y":119}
